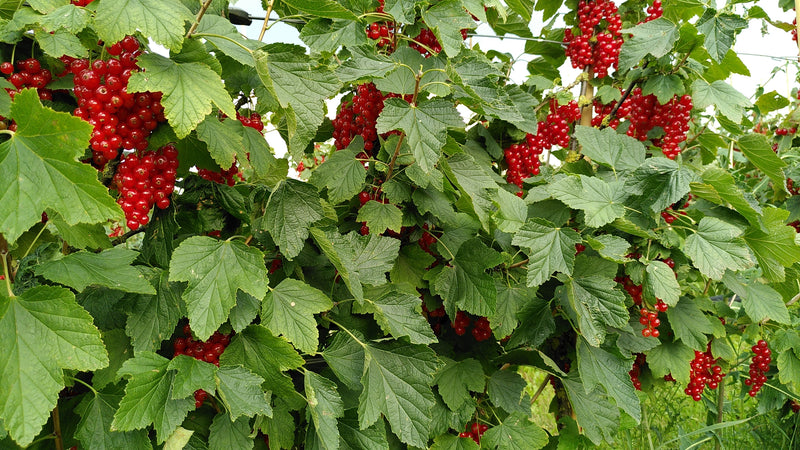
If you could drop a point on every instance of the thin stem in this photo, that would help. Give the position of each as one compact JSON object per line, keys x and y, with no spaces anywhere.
{"x":219,"y":36}
{"x":30,"y":247}
{"x":91,"y":388}
{"x":708,"y":285}
{"x":519,"y":264}
{"x":341,"y":327}
{"x":541,"y":388}
{"x":587,"y":92}
{"x":264,"y":27}
{"x":793,"y":300}
{"x":200,"y":15}
{"x":720,"y":404}
{"x":4,"y":255}
{"x":57,"y":429}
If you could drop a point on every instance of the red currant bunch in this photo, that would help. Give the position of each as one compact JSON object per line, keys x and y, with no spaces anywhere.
{"x":650,"y":321}
{"x":426,"y":240}
{"x":595,"y":45}
{"x":461,"y":323}
{"x":474,"y":432}
{"x":120,"y":119}
{"x":144,"y":179}
{"x":223,"y":176}
{"x":634,"y":290}
{"x":654,"y":11}
{"x":253,"y":121}
{"x":785,"y":131}
{"x":795,"y":405}
{"x":435,"y":317}
{"x":704,"y":371}
{"x":208,"y":351}
{"x":30,"y":74}
{"x":382,"y":32}
{"x":358,"y":117}
{"x":636,"y":371}
{"x":758,"y":367}
{"x":791,"y":187}
{"x":482,"y":330}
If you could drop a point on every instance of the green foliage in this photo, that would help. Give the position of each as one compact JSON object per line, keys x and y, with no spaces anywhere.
{"x":389,"y":293}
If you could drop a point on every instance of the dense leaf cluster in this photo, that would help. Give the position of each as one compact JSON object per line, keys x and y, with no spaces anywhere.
{"x":339,"y":309}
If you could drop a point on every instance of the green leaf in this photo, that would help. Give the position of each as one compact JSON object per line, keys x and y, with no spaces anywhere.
{"x":689,"y":324}
{"x":720,"y":187}
{"x":280,"y":427}
{"x":224,"y":138}
{"x":110,"y":268}
{"x":225,"y":433}
{"x":660,"y":283}
{"x":425,"y":126}
{"x":597,"y":367}
{"x":81,"y":235}
{"x":364,"y":63}
{"x":324,"y":406}
{"x":509,"y":301}
{"x":655,"y":38}
{"x":457,"y":378}
{"x":717,"y":246}
{"x":59,"y":43}
{"x":326,"y":35}
{"x":729,"y":101}
{"x":776,"y":248}
{"x":223,"y":35}
{"x":148,"y":397}
{"x":506,"y":390}
{"x":400,"y":314}
{"x":353,"y":438}
{"x":472,"y":179}
{"x":291,"y":208}
{"x":178,"y":439}
{"x":322,"y":8}
{"x":771,"y":101}
{"x":595,"y":414}
{"x":411,"y":266}
{"x":380,"y":216}
{"x":94,"y":429}
{"x":720,"y":31}
{"x":345,"y":356}
{"x":598,"y":305}
{"x":241,"y":393}
{"x":299,"y":84}
{"x":69,"y":17}
{"x":397,"y":378}
{"x":401,"y":10}
{"x":39,"y":169}
{"x":118,"y":346}
{"x":265,"y":355}
{"x":610,"y":247}
{"x":42,"y":332}
{"x":342,"y":173}
{"x":659,"y":182}
{"x":549,"y":249}
{"x":451,"y":442}
{"x":162,"y":21}
{"x":601,"y":202}
{"x":358,"y":259}
{"x":246,"y":309}
{"x":189,"y":89}
{"x":671,"y":358}
{"x":192,"y":374}
{"x":759,"y":152}
{"x":289,"y":310}
{"x":664,"y":87}
{"x":516,"y":432}
{"x":215,"y":270}
{"x":152,"y":318}
{"x":537,"y":324}
{"x":609,"y":148}
{"x":45,"y":6}
{"x":465,"y":285}
{"x":446,"y":19}
{"x":760,"y":301}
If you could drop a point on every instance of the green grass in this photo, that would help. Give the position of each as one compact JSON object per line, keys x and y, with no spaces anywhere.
{"x":672,"y":420}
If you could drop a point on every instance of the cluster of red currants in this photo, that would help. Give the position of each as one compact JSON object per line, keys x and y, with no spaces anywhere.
{"x":474,"y":432}
{"x":636,"y":371}
{"x":426,"y":240}
{"x":654,"y":11}
{"x":383,"y":32}
{"x":523,"y":158}
{"x":758,"y":367}
{"x":650,"y":319}
{"x":703,"y":372}
{"x":233,"y":174}
{"x":785,"y":131}
{"x":29,"y":74}
{"x":144,"y":179}
{"x":644,"y":113}
{"x":595,"y":47}
{"x":208,"y":351}
{"x":358,"y":117}
{"x":120,"y":119}
{"x":481,"y":331}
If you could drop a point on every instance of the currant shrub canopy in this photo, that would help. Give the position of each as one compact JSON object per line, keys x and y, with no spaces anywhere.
{"x":169,"y":281}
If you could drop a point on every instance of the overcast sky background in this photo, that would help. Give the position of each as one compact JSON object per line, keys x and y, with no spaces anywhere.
{"x":753,"y":48}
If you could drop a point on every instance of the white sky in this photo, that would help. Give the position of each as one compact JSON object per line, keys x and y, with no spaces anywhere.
{"x":775,"y":74}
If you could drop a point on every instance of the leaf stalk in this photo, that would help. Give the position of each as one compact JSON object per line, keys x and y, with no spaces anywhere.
{"x":200,"y":15}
